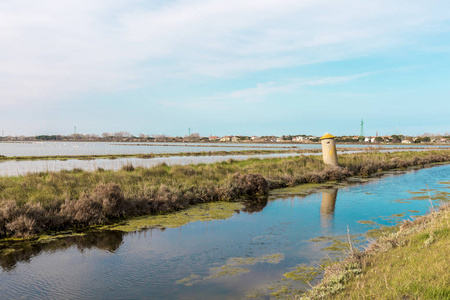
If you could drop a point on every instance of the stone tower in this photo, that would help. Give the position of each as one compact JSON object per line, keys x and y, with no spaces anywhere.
{"x":329,"y":150}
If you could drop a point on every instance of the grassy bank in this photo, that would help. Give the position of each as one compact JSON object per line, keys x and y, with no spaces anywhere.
{"x":36,"y":203}
{"x":412,"y":263}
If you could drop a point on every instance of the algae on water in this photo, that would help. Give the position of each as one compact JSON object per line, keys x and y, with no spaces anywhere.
{"x":271,"y":259}
{"x":226,"y":270}
{"x":200,"y":212}
{"x":190,"y":280}
{"x":232,"y":268}
{"x":303,"y":273}
{"x":305,"y":188}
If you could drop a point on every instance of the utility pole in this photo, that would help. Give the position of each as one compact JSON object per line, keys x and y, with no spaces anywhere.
{"x":362,"y":127}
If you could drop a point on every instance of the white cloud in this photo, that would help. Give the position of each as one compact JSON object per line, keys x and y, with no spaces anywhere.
{"x":258,"y":93}
{"x":53,"y":49}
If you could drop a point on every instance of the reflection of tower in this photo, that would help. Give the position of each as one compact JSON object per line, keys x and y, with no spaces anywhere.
{"x":327,"y":207}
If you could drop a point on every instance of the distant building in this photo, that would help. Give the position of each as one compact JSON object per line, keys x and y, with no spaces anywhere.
{"x":298,"y":139}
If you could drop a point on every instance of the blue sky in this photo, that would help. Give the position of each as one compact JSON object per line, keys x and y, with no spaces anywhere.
{"x":224,"y":67}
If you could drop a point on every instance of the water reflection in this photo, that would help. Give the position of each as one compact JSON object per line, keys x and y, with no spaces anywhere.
{"x":327,"y":207}
{"x":108,"y":241}
{"x":255,"y":204}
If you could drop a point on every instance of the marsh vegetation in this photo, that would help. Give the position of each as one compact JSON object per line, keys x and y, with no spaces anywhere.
{"x":35,"y":203}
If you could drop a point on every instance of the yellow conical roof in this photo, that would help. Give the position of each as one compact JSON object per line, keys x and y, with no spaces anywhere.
{"x":327,"y":136}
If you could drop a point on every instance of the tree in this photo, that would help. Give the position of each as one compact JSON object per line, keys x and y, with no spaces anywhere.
{"x":378,"y":139}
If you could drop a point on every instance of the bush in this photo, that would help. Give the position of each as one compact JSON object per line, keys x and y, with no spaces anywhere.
{"x":128,"y":167}
{"x":249,"y":184}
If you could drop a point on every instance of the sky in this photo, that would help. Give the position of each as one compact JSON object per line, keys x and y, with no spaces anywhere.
{"x":234,"y":67}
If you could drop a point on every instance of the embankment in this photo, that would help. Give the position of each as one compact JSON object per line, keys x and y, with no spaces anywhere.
{"x":53,"y":201}
{"x":412,"y":263}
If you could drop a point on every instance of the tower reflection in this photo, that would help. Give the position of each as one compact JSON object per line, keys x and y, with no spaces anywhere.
{"x":327,"y":207}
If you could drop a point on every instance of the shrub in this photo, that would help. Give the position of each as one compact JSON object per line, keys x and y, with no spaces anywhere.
{"x":249,"y":184}
{"x":128,"y":167}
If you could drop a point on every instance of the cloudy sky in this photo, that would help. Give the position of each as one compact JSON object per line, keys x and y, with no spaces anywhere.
{"x":224,"y":67}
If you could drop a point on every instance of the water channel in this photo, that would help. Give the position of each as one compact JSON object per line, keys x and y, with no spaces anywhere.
{"x":245,"y":255}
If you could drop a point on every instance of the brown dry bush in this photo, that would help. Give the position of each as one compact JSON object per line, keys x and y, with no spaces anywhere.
{"x":23,"y":221}
{"x":22,"y":226}
{"x":167,"y":200}
{"x":249,"y":184}
{"x":112,"y":200}
{"x":8,"y":211}
{"x":128,"y":167}
{"x":84,"y":211}
{"x":336,"y":173}
{"x":314,"y":177}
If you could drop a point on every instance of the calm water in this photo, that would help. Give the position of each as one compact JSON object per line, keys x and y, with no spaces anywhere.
{"x":147,"y":264}
{"x":15,"y":168}
{"x":101,"y":148}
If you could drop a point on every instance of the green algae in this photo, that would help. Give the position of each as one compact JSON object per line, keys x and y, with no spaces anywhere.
{"x":12,"y":245}
{"x":338,"y":243}
{"x":303,"y":274}
{"x":49,"y":237}
{"x":299,"y":189}
{"x":284,"y":291}
{"x":421,"y":192}
{"x":225,"y":271}
{"x":190,"y":280}
{"x":402,"y":201}
{"x":437,"y":195}
{"x":294,"y":282}
{"x":381,"y":232}
{"x":397,"y":215}
{"x":321,"y":239}
{"x":271,"y":259}
{"x":200,"y":212}
{"x":367,"y":222}
{"x":444,"y":182}
{"x":233,"y":267}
